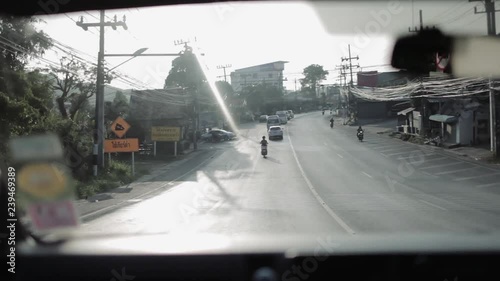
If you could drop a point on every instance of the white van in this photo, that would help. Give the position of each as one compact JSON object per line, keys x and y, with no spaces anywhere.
{"x":273,"y":120}
{"x":283,"y":116}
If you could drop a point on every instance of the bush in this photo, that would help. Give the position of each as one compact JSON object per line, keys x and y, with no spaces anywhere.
{"x":115,"y":175}
{"x":119,"y":172}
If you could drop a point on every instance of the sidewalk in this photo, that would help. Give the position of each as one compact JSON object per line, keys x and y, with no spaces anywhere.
{"x":130,"y":193}
{"x":386,"y":126}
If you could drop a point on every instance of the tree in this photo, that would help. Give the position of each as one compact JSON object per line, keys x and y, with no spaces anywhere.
{"x":25,"y":98}
{"x":186,"y":72}
{"x":262,"y":97}
{"x":75,"y":81}
{"x":313,"y":74}
{"x":21,"y":41}
{"x":118,"y":107}
{"x":226,"y":91}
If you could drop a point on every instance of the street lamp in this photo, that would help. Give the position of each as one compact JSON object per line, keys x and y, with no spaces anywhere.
{"x":134,"y":55}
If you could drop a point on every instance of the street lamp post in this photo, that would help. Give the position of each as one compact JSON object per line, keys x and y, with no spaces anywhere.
{"x":134,"y":55}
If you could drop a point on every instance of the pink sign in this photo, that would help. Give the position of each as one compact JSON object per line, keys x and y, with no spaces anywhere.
{"x":53,"y":215}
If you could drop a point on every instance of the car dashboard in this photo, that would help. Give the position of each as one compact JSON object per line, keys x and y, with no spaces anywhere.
{"x":213,"y":257}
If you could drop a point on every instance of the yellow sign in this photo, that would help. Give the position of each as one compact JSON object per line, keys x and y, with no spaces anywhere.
{"x":165,"y":133}
{"x":120,"y":127}
{"x":121,"y":145}
{"x":43,"y":180}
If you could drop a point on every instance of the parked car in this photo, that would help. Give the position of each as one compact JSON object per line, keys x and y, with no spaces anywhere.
{"x":291,"y":113}
{"x":275,"y":132}
{"x":283,"y":116}
{"x":263,"y":118}
{"x":218,"y":135}
{"x":273,"y":120}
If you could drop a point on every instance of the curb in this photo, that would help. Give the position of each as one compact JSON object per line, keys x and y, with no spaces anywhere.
{"x":441,"y":151}
{"x":88,"y":216}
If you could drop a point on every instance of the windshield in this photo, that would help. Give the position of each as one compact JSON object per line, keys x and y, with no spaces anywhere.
{"x":133,"y":125}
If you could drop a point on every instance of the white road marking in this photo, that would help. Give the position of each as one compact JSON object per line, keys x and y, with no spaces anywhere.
{"x":151,"y":191}
{"x":442,"y":165}
{"x":340,"y":155}
{"x":367,"y":175}
{"x":455,"y":171}
{"x":317,"y":196}
{"x":389,"y":150}
{"x":488,"y":184}
{"x":435,"y":159}
{"x":394,"y":154}
{"x":431,"y":204}
{"x":379,"y":147}
{"x":475,"y":177}
{"x":415,"y":156}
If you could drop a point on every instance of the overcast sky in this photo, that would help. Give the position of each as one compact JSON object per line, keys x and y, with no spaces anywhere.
{"x":246,"y":34}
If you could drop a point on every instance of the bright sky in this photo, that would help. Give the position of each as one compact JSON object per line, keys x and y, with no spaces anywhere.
{"x":246,"y":34}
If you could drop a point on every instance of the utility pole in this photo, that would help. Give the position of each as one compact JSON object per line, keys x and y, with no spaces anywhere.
{"x":350,"y":58}
{"x":489,"y":6}
{"x":194,"y":93}
{"x":99,"y":107}
{"x":224,"y":67}
{"x":415,"y":29}
{"x":493,"y":129}
{"x":349,"y":66}
{"x":489,"y":9}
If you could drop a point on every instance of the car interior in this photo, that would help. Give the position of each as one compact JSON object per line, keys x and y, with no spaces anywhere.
{"x":293,"y":257}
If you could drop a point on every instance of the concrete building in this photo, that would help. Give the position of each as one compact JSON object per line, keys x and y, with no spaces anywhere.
{"x":269,"y":73}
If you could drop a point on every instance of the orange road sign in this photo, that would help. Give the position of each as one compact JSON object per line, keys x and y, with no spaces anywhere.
{"x":121,"y":145}
{"x":120,"y":127}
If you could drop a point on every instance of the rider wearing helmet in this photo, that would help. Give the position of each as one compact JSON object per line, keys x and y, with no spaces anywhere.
{"x":264,"y":141}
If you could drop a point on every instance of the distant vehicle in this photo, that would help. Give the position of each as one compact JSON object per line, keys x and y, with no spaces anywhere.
{"x":275,"y":132}
{"x":291,"y":113}
{"x":263,"y":118}
{"x":273,"y":120}
{"x":283,"y":116}
{"x":218,"y":135}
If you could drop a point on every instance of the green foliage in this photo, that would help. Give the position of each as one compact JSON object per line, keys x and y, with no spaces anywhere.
{"x":25,"y":102}
{"x":116,"y":174}
{"x":313,"y":74}
{"x":261,"y":97}
{"x":118,"y":107}
{"x":186,"y":72}
{"x":21,"y":40}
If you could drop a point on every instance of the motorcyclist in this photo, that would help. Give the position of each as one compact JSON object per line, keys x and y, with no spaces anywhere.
{"x":264,"y":141}
{"x":331,"y":121}
{"x":360,"y":129}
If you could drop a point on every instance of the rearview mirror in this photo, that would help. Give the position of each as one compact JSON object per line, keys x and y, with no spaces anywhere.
{"x":431,"y":50}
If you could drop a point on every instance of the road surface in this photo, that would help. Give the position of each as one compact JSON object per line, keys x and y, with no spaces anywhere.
{"x":316,"y":180}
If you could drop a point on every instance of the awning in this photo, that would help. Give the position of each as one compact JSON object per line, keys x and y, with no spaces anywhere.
{"x":437,"y":100}
{"x":406,"y":111}
{"x":443,"y":118}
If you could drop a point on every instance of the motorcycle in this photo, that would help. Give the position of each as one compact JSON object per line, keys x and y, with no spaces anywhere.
{"x":331,"y":124}
{"x":323,"y":112}
{"x":360,"y":135}
{"x":263,"y":150}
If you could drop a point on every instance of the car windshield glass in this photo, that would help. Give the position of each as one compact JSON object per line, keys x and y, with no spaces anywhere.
{"x":131,"y":108}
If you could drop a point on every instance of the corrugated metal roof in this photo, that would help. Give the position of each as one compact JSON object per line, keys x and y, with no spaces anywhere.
{"x":406,"y":111}
{"x":443,"y":118}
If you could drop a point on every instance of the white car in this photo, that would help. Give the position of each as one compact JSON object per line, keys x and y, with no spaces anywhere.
{"x":283,"y":115}
{"x":275,"y":132}
{"x":273,"y":120}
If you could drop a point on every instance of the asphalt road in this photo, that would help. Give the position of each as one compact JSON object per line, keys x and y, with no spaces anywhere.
{"x":316,"y":180}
